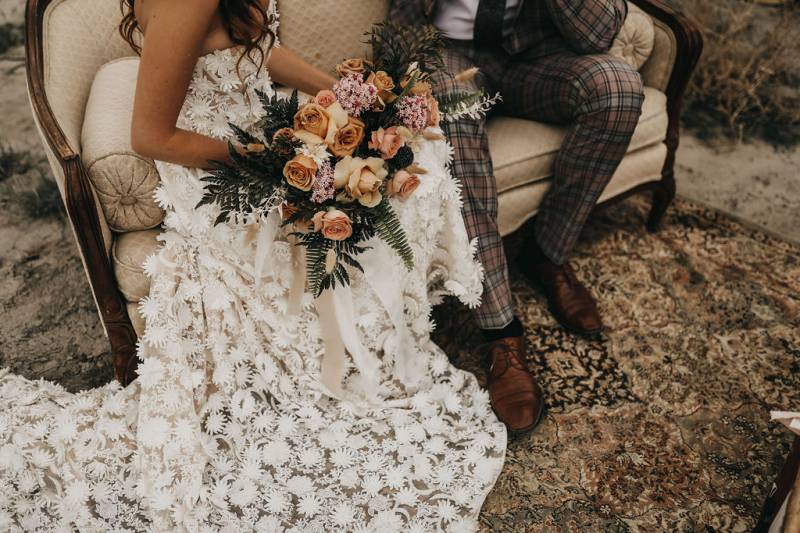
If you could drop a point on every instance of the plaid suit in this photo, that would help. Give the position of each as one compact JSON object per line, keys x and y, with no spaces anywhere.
{"x":553,"y":68}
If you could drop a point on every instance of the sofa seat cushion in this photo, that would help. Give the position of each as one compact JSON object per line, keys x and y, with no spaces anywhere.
{"x":523,"y":151}
{"x":518,"y":205}
{"x":128,"y":254}
{"x":123,"y":180}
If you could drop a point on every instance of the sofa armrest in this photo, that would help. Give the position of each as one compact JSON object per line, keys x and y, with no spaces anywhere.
{"x":678,"y":45}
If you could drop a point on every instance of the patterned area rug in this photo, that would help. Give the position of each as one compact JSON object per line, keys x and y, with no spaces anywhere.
{"x":663,"y":423}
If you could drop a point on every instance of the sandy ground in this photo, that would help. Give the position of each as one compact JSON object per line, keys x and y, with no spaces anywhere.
{"x":48,"y":323}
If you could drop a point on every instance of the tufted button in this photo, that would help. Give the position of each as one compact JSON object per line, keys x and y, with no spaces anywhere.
{"x":127,"y":200}
{"x":628,"y":50}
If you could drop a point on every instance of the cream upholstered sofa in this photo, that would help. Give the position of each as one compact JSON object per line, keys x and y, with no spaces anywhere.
{"x":80,"y":81}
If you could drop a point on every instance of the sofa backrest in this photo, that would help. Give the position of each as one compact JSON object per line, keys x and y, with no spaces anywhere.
{"x":78,"y":37}
{"x":323,"y":32}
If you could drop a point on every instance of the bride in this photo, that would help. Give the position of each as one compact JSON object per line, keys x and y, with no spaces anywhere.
{"x":229,"y":426}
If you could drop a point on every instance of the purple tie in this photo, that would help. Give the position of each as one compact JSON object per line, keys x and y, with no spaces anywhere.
{"x":489,"y":22}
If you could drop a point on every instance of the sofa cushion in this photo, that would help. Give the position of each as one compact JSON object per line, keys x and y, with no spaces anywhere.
{"x":324,"y":32}
{"x":635,"y":40}
{"x":523,"y":151}
{"x":518,"y":205}
{"x":128,"y":254}
{"x":123,"y":180}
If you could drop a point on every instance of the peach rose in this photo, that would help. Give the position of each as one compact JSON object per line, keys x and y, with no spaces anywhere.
{"x":300,"y":172}
{"x":361,"y":179}
{"x":350,"y":66}
{"x":387,"y":142}
{"x":402,"y":184}
{"x":334,"y":224}
{"x":434,"y":117}
{"x":384,"y":83}
{"x":325,"y":98}
{"x":348,"y":138}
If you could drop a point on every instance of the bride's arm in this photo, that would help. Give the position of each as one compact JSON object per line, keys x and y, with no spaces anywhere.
{"x":175,"y":33}
{"x":287,"y":68}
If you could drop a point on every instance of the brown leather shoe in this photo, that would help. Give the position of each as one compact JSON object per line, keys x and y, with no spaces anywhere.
{"x":513,"y":391}
{"x":570,"y":301}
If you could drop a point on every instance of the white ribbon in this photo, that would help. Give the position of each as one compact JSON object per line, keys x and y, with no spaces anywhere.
{"x":376,"y":263}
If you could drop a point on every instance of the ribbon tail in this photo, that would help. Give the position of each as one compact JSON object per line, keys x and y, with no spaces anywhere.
{"x":334,"y":363}
{"x":407,"y":366}
{"x":268,"y":228}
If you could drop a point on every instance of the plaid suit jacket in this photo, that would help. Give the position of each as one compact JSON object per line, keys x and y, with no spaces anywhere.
{"x":542,"y":26}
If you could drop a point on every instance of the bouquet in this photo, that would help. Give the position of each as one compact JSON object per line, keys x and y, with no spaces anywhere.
{"x":331,"y":164}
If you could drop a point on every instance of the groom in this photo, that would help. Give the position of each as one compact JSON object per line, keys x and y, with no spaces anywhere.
{"x":548,"y":60}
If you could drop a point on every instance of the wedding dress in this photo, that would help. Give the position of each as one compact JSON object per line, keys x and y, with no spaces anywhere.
{"x":228,"y":427}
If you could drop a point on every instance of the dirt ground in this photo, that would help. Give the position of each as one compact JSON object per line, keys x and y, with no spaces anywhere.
{"x":48,"y":323}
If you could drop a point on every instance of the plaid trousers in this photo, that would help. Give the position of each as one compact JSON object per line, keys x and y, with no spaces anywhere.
{"x":598,"y":96}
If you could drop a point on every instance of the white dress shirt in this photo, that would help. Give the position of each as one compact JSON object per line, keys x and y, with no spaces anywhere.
{"x":456,"y":18}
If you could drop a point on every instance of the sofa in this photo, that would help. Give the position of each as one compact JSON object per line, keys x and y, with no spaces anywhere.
{"x":76,"y":59}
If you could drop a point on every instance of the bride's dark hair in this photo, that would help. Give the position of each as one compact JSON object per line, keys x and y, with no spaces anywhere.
{"x":249,"y":24}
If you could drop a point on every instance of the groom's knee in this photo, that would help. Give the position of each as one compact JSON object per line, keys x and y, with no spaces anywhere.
{"x":611,"y":90}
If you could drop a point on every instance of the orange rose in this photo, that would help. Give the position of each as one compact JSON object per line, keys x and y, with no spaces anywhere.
{"x":300,"y":172}
{"x":350,"y":66}
{"x":402,"y":184}
{"x":287,"y":210}
{"x":334,"y":224}
{"x":387,"y":142}
{"x":348,"y":138}
{"x":384,"y":83}
{"x":325,"y":98}
{"x":283,"y":132}
{"x":313,"y":119}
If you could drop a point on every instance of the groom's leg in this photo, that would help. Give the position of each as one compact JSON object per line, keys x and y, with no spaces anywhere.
{"x":600,"y":98}
{"x":472,"y":166}
{"x":514,"y":393}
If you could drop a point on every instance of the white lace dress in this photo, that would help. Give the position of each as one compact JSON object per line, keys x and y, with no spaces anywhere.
{"x":227,"y":427}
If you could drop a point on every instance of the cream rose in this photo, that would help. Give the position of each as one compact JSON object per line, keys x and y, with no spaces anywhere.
{"x":348,"y":138}
{"x":361,"y":179}
{"x":402,"y":184}
{"x":350,"y":66}
{"x":334,"y":224}
{"x":387,"y":142}
{"x":300,"y":172}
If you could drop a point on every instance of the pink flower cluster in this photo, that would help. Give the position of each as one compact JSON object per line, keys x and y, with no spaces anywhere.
{"x":354,"y":95}
{"x":323,"y":189}
{"x":413,"y":112}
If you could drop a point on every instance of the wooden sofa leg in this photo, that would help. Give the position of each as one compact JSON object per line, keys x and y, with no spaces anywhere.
{"x":123,"y":347}
{"x":662,"y":198}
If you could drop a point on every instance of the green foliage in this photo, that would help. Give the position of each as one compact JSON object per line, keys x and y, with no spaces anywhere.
{"x":279,"y":112}
{"x":452,"y":101}
{"x":395,"y":47}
